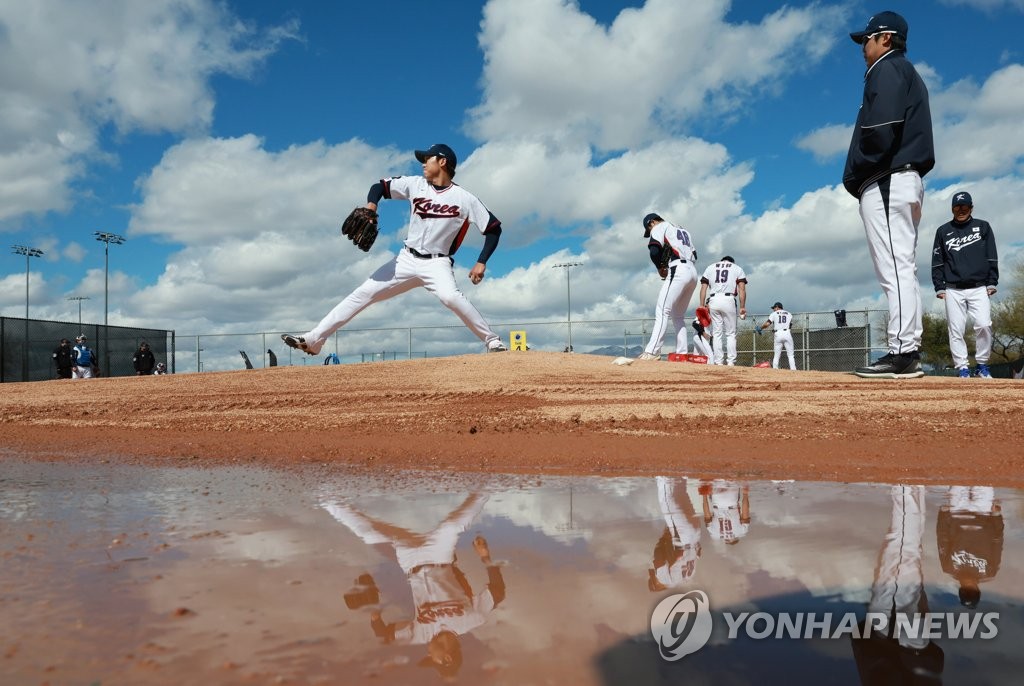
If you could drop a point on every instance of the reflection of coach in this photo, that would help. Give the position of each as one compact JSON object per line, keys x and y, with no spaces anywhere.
{"x":969,"y":532}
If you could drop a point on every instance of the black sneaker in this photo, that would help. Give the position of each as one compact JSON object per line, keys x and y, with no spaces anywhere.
{"x":892,"y":366}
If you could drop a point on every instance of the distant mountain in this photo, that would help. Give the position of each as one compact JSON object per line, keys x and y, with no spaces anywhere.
{"x":616,"y":351}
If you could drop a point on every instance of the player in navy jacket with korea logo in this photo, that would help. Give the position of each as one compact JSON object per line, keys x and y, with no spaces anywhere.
{"x":965,"y":273}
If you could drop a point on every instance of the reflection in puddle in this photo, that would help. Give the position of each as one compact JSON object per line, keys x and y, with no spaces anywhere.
{"x":222,"y":576}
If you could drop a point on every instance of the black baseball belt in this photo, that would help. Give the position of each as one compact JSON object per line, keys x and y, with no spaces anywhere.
{"x":424,"y":256}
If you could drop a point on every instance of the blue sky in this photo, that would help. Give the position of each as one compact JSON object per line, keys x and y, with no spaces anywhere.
{"x":227,"y":140}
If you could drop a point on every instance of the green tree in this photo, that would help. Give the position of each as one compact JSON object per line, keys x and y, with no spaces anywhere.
{"x":1008,"y":321}
{"x":935,"y":341}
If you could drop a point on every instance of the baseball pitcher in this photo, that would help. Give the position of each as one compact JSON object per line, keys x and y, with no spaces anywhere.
{"x":441,"y":214}
{"x":673,"y":254}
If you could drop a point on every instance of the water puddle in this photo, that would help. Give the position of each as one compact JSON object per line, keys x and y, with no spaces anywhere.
{"x":123,"y":575}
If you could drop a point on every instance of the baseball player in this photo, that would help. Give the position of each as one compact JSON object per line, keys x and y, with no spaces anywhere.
{"x":969,"y":532}
{"x":781,"y":321}
{"x":726,"y":506}
{"x":720,"y":284}
{"x":677,"y":551}
{"x":444,"y":604}
{"x":965,"y":272}
{"x":890,"y":151}
{"x":441,"y":214}
{"x":679,"y":278}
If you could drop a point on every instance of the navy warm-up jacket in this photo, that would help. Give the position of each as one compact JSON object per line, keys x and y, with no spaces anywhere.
{"x":894,"y":125}
{"x":964,"y":255}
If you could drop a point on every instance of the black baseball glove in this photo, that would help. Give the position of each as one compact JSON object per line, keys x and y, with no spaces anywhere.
{"x":360,"y":226}
{"x":665,"y":257}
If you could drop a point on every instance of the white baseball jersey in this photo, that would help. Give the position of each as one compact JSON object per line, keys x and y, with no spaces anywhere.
{"x":439,"y":218}
{"x":722,"y":278}
{"x":677,"y":238}
{"x":782,"y":321}
{"x":726,"y":520}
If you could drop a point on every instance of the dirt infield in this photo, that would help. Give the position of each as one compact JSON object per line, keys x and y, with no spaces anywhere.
{"x":536,"y":412}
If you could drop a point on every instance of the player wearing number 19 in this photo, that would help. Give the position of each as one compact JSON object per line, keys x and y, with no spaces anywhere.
{"x":673,"y":254}
{"x":720,"y":285}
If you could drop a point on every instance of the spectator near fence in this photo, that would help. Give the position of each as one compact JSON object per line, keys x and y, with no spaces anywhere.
{"x":143,"y":360}
{"x":64,"y":359}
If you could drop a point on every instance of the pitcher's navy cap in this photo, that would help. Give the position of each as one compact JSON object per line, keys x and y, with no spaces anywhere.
{"x":441,"y":150}
{"x":652,"y":217}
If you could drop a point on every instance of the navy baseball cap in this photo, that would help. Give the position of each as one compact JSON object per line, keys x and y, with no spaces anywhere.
{"x":652,"y":217}
{"x":962,"y":198}
{"x":778,"y":305}
{"x":883,"y":22}
{"x":441,"y":150}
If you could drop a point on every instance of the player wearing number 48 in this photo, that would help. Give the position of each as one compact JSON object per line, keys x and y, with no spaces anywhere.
{"x":441,"y":212}
{"x":672,"y":252}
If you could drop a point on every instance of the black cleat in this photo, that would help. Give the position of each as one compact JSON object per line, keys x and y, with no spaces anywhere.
{"x":297,"y":342}
{"x":907,"y":366}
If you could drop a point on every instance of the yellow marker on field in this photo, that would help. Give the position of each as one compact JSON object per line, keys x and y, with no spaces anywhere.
{"x":517,"y":340}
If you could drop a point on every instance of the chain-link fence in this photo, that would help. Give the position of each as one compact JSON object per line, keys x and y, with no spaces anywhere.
{"x":827,"y":341}
{"x":27,"y":345}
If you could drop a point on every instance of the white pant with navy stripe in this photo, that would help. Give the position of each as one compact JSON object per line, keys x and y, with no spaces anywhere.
{"x":891,"y":212}
{"x":783,"y":340}
{"x":673,"y":299}
{"x":723,"y":327}
{"x":401,"y":274}
{"x":961,"y":303}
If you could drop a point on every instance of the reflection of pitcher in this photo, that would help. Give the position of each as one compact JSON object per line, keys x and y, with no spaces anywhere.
{"x":969,"y":532}
{"x":677,"y":551}
{"x":898,"y":589}
{"x":444,"y":602}
{"x":726,"y":509}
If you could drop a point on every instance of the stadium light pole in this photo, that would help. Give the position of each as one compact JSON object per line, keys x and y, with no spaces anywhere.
{"x":79,"y":298}
{"x":568,"y":296}
{"x":107,"y":239}
{"x":28,"y":253}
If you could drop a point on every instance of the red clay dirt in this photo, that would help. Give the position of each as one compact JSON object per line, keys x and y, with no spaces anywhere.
{"x":535,"y":412}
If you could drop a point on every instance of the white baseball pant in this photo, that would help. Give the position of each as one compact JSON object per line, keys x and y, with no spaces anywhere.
{"x":899,"y":579}
{"x":723,"y":327}
{"x":784,"y":341}
{"x":891,"y":212}
{"x":673,"y":299}
{"x":412,"y":549}
{"x":702,"y":347}
{"x":401,"y":274}
{"x":81,"y":372}
{"x":974,"y":303}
